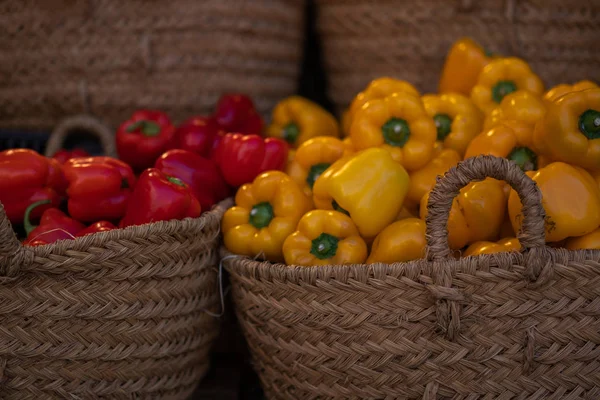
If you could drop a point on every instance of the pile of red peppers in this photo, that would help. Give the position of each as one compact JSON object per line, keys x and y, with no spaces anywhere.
{"x":163,"y":172}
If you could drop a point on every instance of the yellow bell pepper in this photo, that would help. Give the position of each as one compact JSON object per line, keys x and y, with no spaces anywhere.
{"x":297,"y":119}
{"x":423,"y":180}
{"x":483,"y":247}
{"x":571,"y":199}
{"x":521,"y":105}
{"x":323,"y":238}
{"x":313,"y":157}
{"x":589,"y":241}
{"x":477,"y":213}
{"x":369,"y":186}
{"x":401,"y":241}
{"x":509,"y":139}
{"x":456,"y":118}
{"x":266,"y":213}
{"x":570,"y":130}
{"x":377,"y":89}
{"x":406,"y":212}
{"x":501,"y":77}
{"x":462,"y":66}
{"x":399,"y":124}
{"x":559,"y":90}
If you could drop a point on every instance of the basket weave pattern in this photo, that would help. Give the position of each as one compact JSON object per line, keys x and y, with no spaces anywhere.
{"x":120,"y":314}
{"x":108,"y":57}
{"x":505,"y":326}
{"x":365,"y":40}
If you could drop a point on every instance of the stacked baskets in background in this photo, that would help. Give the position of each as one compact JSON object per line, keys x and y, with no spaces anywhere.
{"x":108,"y":58}
{"x":366,"y":40}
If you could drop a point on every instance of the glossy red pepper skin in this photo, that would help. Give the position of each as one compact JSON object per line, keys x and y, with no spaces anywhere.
{"x":99,"y":188}
{"x":54,"y":225}
{"x":197,"y":135}
{"x":100,"y":226}
{"x":144,"y":137}
{"x":63,"y":155}
{"x":26,"y":177}
{"x":242,"y":158}
{"x":200,"y":174}
{"x":235,"y":112}
{"x":159,"y":197}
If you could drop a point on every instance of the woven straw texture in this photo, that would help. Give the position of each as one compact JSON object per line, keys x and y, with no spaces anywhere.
{"x":109,"y":57}
{"x":521,"y":325}
{"x":122,"y":314}
{"x":363,"y":40}
{"x":81,"y":124}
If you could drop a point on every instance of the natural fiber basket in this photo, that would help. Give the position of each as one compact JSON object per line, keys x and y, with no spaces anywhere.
{"x":363,"y":40}
{"x":110,"y":57}
{"x":520,"y":325}
{"x":123,"y":314}
{"x":81,"y":124}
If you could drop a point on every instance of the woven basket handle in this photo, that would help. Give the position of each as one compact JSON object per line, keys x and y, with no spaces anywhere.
{"x":85,"y":123}
{"x":532,"y":233}
{"x":12,"y":253}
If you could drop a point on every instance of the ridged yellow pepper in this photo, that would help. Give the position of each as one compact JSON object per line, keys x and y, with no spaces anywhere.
{"x":297,"y":119}
{"x":399,"y":124}
{"x":521,"y":105}
{"x":462,"y":66}
{"x":313,"y":157}
{"x":501,"y":77}
{"x":376,"y":89}
{"x":401,"y":241}
{"x":477,"y":213}
{"x":509,"y":139}
{"x":325,"y":237}
{"x":266,"y":212}
{"x":456,"y":118}
{"x":559,"y":90}
{"x":570,"y":130}
{"x":571,"y":199}
{"x":483,"y":247}
{"x":369,"y":186}
{"x":589,"y":241}
{"x":423,"y":180}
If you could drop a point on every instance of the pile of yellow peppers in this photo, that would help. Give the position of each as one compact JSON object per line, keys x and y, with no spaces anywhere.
{"x":356,"y":191}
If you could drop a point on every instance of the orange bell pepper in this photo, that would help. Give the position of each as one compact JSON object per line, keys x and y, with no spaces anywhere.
{"x":562,"y":89}
{"x":463,"y":64}
{"x":483,"y":247}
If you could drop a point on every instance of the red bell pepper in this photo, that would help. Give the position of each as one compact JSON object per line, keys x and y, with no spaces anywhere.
{"x":54,"y":225}
{"x":236,"y":113}
{"x":63,"y":155}
{"x":99,"y":188}
{"x":144,"y":137}
{"x":27,"y":177}
{"x":200,"y":174}
{"x":160,"y":197}
{"x":242,"y":158}
{"x":100,"y":226}
{"x":197,"y":135}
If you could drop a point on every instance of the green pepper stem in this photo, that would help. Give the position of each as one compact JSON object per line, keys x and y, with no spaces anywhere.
{"x":524,"y":157}
{"x":147,"y":128}
{"x":314,"y":172}
{"x":443,"y":123}
{"x":396,"y":132}
{"x":324,"y":246}
{"x":261,"y":215}
{"x":501,"y":89}
{"x":176,"y":181}
{"x":589,"y":124}
{"x":291,"y":132}
{"x":27,"y":219}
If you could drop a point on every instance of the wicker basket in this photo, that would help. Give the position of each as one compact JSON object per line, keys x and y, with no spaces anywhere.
{"x":123,"y":314}
{"x":504,"y":326}
{"x":109,"y":57}
{"x":363,"y":40}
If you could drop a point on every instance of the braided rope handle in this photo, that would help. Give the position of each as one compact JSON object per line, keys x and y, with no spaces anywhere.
{"x":12,"y":253}
{"x":86,"y":123}
{"x":532,"y":233}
